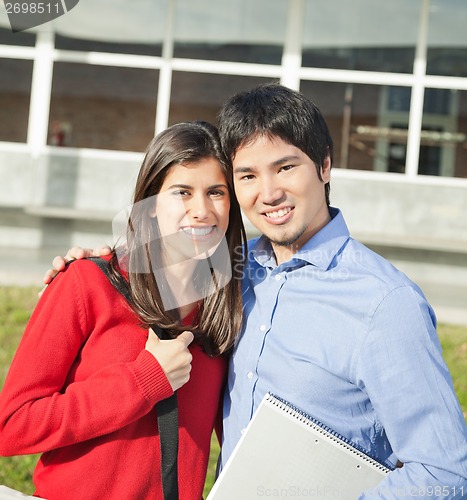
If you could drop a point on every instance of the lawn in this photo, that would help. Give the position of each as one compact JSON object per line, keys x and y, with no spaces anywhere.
{"x":17,"y":303}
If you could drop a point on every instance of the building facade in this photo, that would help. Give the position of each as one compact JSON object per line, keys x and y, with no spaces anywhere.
{"x":81,"y":97}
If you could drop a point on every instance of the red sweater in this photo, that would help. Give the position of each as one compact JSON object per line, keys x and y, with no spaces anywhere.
{"x":82,"y":389}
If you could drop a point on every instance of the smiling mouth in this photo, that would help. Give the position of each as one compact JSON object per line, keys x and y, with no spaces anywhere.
{"x":198,"y":232}
{"x":278,"y":214}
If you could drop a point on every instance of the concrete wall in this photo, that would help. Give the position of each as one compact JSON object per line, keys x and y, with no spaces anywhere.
{"x":73,"y":195}
{"x":425,"y":212}
{"x":64,"y":197}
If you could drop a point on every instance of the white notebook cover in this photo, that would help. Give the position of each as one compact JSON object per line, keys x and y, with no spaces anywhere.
{"x":285,"y":453}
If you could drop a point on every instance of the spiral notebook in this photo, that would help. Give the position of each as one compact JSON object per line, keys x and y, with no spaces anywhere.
{"x":286,"y":453}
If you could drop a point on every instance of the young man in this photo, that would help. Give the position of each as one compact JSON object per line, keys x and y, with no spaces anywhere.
{"x":329,"y":325}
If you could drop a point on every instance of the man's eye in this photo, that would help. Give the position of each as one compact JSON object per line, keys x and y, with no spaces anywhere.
{"x":285,"y":168}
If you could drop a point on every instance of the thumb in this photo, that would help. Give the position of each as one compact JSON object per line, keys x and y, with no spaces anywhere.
{"x":186,"y":338}
{"x":152,"y":335}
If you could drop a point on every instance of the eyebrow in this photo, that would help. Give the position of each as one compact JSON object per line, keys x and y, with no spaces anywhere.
{"x":187,"y":186}
{"x":275,"y":163}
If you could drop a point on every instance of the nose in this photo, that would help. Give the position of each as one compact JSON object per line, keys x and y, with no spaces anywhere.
{"x":271,"y":192}
{"x":198,"y":208}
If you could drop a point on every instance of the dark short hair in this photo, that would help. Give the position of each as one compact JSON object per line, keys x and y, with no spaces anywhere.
{"x":276,"y":111}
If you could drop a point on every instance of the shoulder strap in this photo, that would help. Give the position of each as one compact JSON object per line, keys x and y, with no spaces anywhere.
{"x":167,"y":411}
{"x":103,"y":265}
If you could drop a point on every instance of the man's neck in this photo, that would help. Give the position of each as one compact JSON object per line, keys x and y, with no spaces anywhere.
{"x":283,"y":253}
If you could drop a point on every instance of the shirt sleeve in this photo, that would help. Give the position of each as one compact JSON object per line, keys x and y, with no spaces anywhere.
{"x":40,"y":409}
{"x":408,"y":383}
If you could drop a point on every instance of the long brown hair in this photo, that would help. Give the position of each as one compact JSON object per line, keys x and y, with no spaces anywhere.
{"x":220,"y":316}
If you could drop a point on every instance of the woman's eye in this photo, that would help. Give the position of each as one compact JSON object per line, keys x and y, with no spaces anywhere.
{"x":216,"y":193}
{"x":181,"y":192}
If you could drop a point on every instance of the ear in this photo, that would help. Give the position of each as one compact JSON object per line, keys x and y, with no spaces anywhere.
{"x":326,"y":169}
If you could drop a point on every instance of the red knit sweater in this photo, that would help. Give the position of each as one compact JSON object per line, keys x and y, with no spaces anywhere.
{"x":82,"y":389}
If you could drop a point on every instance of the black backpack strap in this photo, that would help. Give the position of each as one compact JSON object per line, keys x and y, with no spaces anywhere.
{"x":167,"y":421}
{"x":167,"y":410}
{"x":120,"y":286}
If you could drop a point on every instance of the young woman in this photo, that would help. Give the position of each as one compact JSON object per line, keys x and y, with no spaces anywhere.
{"x":84,"y":383}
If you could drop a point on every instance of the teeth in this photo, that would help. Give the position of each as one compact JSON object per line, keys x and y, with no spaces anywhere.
{"x":198,"y":231}
{"x":278,"y":213}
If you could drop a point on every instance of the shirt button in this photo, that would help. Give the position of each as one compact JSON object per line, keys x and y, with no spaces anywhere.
{"x":278,"y":277}
{"x":243,"y":431}
{"x":262,"y":328}
{"x":250,"y":375}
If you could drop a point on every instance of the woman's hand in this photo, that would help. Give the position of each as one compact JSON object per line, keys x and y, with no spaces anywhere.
{"x":173,"y":355}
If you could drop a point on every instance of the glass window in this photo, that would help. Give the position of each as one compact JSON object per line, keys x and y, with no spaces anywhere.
{"x":135,"y":27}
{"x":22,"y":38}
{"x":460,"y":161}
{"x":447,"y":40}
{"x":199,"y":96}
{"x":368,"y":123}
{"x":15,"y":95}
{"x":102,"y":107}
{"x":67,"y":43}
{"x":231,"y":30}
{"x":443,"y":142}
{"x":361,"y":35}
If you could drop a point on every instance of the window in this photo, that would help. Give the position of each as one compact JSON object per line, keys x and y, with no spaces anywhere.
{"x":357,"y":36}
{"x":230,"y":30}
{"x":22,"y":38}
{"x":102,"y":107}
{"x":447,"y":50}
{"x":15,"y":94}
{"x":199,"y":96}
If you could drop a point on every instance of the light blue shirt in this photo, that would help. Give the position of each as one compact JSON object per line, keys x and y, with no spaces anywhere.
{"x":346,"y":337}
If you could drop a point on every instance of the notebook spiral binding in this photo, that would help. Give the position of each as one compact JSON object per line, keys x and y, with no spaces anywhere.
{"x":326,"y":431}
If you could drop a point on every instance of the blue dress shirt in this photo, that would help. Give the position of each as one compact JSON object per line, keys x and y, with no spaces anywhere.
{"x":346,"y":337}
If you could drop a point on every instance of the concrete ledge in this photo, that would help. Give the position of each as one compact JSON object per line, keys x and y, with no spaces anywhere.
{"x":69,"y":213}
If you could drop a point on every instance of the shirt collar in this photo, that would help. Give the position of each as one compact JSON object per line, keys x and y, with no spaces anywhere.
{"x":319,"y":250}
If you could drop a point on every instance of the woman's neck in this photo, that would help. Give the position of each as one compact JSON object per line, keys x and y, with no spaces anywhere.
{"x":179,"y":277}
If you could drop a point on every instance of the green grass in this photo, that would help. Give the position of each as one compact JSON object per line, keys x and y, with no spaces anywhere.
{"x":454,"y":342}
{"x":17,"y":303}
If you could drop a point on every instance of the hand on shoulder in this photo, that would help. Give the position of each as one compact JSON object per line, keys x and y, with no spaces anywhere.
{"x":75,"y":253}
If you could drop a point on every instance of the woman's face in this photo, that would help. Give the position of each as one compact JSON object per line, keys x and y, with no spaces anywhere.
{"x":192,"y":210}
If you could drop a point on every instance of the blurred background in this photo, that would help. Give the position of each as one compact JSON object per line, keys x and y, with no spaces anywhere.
{"x":81,"y":97}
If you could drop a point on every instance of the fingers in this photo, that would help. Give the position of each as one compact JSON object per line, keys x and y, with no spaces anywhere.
{"x":99,"y":251}
{"x":47,"y":279}
{"x":59,"y":262}
{"x":173,"y":355}
{"x":77,"y":253}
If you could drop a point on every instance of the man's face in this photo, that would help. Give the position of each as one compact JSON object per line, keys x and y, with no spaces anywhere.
{"x":279,"y":190}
